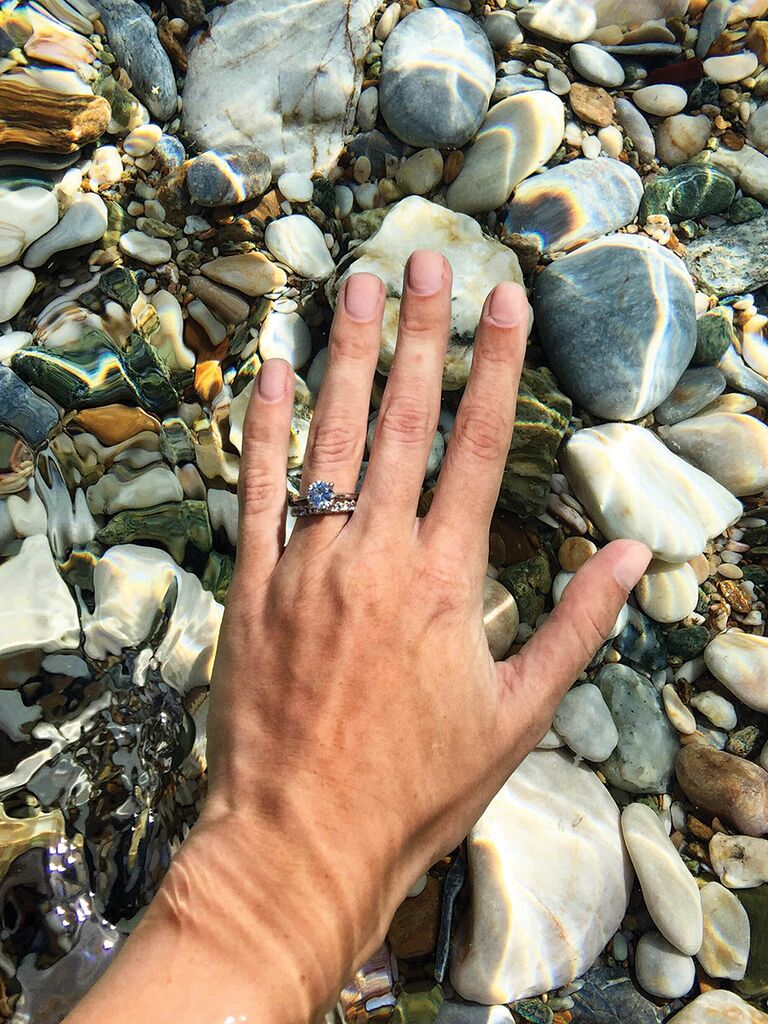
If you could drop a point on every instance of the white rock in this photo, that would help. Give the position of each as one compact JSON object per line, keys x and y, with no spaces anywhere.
{"x":85,"y":221}
{"x":731,"y":448}
{"x":25,"y":215}
{"x":420,"y":173}
{"x":757,"y":128}
{"x":12,"y":342}
{"x":144,"y":248}
{"x":387,"y":21}
{"x":669,"y":889}
{"x":740,"y":662}
{"x":518,"y":136}
{"x":465,"y":1013}
{"x":635,"y":12}
{"x":142,"y":140}
{"x":169,"y":339}
{"x":368,"y":107}
{"x":725,"y":948}
{"x":345,"y":200}
{"x":661,"y":969}
{"x":585,"y":723}
{"x":719,"y":1007}
{"x":567,"y":21}
{"x":740,"y":862}
{"x":550,"y":741}
{"x":747,"y":167}
{"x":725,"y":70}
{"x":299,"y":243}
{"x":130,"y":583}
{"x":590,"y":147}
{"x":681,"y":717}
{"x":106,"y":167}
{"x":611,"y":140}
{"x":637,"y":128}
{"x":668,"y":592}
{"x":551,"y":882}
{"x":285,"y":336}
{"x":680,"y":137}
{"x":224,"y":512}
{"x":597,"y":66}
{"x":43,"y":614}
{"x":16,"y":285}
{"x":477,"y":261}
{"x":633,"y":487}
{"x":277,"y":100}
{"x":119,"y":489}
{"x":661,"y":100}
{"x":559,"y":83}
{"x":717,"y":709}
{"x":502,"y":30}
{"x":296,"y":187}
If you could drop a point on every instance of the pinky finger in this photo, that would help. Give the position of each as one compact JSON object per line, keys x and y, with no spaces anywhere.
{"x":262,"y":484}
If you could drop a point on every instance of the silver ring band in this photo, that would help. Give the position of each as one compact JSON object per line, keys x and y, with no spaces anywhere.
{"x":322,"y":500}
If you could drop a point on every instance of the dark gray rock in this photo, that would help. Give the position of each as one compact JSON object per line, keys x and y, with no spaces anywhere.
{"x":712,"y":24}
{"x":24,"y":412}
{"x":377,"y":146}
{"x":132,"y":37}
{"x":223,"y":179}
{"x":169,"y":152}
{"x":437,"y":75}
{"x":618,"y":324}
{"x":695,"y":389}
{"x":609,"y":996}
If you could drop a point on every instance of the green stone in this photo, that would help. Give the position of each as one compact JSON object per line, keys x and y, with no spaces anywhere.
{"x":714,"y":334}
{"x":705,"y":91}
{"x":173,"y":525}
{"x":745,"y":209}
{"x":688,"y":642}
{"x":687,"y":192}
{"x":324,"y":196}
{"x":418,"y":1003}
{"x":124,"y":105}
{"x":156,"y":228}
{"x":757,"y":574}
{"x":366,"y":223}
{"x":79,"y":567}
{"x":217,"y":575}
{"x":743,"y":741}
{"x":530,"y":583}
{"x":120,"y":285}
{"x":118,"y":222}
{"x":534,"y":1010}
{"x":755,"y":982}
{"x":177,"y":442}
{"x":541,"y":420}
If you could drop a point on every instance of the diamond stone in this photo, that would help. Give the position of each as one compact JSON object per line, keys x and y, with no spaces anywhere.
{"x":320,"y":494}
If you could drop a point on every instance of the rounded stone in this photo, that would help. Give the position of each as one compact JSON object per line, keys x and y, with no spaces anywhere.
{"x":725,"y":70}
{"x":722,"y":784}
{"x":437,"y":75}
{"x":502,"y":30}
{"x":661,"y":100}
{"x":725,"y":947}
{"x":420,"y":173}
{"x":718,"y":1006}
{"x":296,"y":187}
{"x":681,"y":137}
{"x":299,"y":243}
{"x":645,"y":305}
{"x":574,"y":552}
{"x":661,"y":969}
{"x":16,"y":286}
{"x":667,"y":592}
{"x":567,"y":21}
{"x":144,"y":248}
{"x":740,"y":662}
{"x":285,"y":336}
{"x":223,"y":179}
{"x":729,"y":447}
{"x":584,"y":721}
{"x":688,"y":192}
{"x":597,"y":66}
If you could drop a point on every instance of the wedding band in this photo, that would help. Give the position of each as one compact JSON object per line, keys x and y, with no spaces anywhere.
{"x":322,"y":500}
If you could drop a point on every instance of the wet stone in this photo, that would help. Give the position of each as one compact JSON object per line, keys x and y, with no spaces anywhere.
{"x":172,"y":525}
{"x":687,"y":192}
{"x":608,"y":996}
{"x":730,"y":260}
{"x":224,"y":179}
{"x":755,"y":981}
{"x":23,"y":411}
{"x":714,"y":335}
{"x":530,"y":583}
{"x":695,"y":390}
{"x":725,"y":785}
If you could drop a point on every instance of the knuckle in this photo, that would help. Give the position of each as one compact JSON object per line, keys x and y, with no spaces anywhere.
{"x":352,"y":344}
{"x":333,"y":442}
{"x":258,"y":490}
{"x":405,"y":420}
{"x":481,"y":436}
{"x":417,"y":320}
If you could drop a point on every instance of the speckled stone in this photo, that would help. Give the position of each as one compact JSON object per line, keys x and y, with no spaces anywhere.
{"x":714,"y":336}
{"x":645,"y":305}
{"x":687,"y":192}
{"x":575,"y":202}
{"x":695,"y":390}
{"x":732,"y":259}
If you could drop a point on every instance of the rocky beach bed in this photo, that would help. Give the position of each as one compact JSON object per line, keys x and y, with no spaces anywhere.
{"x":184,"y":186}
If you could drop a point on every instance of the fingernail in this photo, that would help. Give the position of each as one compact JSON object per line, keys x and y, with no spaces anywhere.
{"x":361,"y":296}
{"x":425,"y":272}
{"x":272,"y":378}
{"x":631,"y":564}
{"x":506,"y":306}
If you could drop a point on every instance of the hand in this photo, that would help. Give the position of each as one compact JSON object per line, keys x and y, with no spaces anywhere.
{"x":358,"y":724}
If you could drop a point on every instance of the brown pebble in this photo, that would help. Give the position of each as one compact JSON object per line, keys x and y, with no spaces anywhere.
{"x":453,"y":164}
{"x":574,"y":552}
{"x":699,"y":829}
{"x":592,"y":104}
{"x":735,"y":596}
{"x":728,"y":786}
{"x":413,"y":931}
{"x":112,"y":424}
{"x":757,"y":40}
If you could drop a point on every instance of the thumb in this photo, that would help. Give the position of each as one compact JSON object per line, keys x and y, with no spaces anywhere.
{"x":558,"y":652}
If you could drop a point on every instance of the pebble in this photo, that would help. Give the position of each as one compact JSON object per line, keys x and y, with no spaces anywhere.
{"x":712,"y":25}
{"x":736,"y":68}
{"x":368,"y":107}
{"x":575,"y":203}
{"x":717,"y":709}
{"x":740,"y":662}
{"x":633,"y":487}
{"x":558,"y":82}
{"x":251,"y":273}
{"x":597,"y":66}
{"x":420,"y":173}
{"x":636,"y":373}
{"x":725,"y":785}
{"x":25,"y":215}
{"x":437,"y":75}
{"x":592,"y":104}
{"x":223,"y":302}
{"x":574,"y":552}
{"x":725,"y":946}
{"x":740,"y":862}
{"x":695,"y":390}
{"x":142,"y":140}
{"x":224,"y":179}
{"x":502,"y":30}
{"x":681,"y":717}
{"x":584,"y":721}
{"x":669,"y":889}
{"x":637,"y":128}
{"x":296,"y":187}
{"x":748,"y":168}
{"x":16,"y":285}
{"x":85,"y":221}
{"x":731,"y":260}
{"x":661,"y":100}
{"x":519,"y":136}
{"x":566,"y":21}
{"x":285,"y":336}
{"x":661,"y":969}
{"x":668,"y":592}
{"x":142,"y":247}
{"x":730,"y":447}
{"x":464,"y":1013}
{"x":106,"y":167}
{"x":298,"y":242}
{"x":681,"y":137}
{"x":719,"y":1007}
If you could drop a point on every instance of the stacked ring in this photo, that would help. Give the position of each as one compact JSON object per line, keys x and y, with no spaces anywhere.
{"x":322,"y":500}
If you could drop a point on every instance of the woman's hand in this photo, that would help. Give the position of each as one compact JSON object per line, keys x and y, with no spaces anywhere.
{"x":358,"y":724}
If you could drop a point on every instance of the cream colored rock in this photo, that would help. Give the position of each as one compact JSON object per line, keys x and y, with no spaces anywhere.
{"x":42,"y":614}
{"x":669,"y":889}
{"x":16,"y":285}
{"x":251,"y":273}
{"x":731,"y":448}
{"x":740,"y":862}
{"x":550,"y":880}
{"x":740,"y":662}
{"x":169,"y":339}
{"x":661,"y":969}
{"x":84,"y":222}
{"x":25,"y":215}
{"x":681,"y":137}
{"x":585,"y":723}
{"x":717,"y":709}
{"x":719,"y":1007}
{"x":477,"y":261}
{"x":123,"y":488}
{"x":299,"y":243}
{"x":518,"y":136}
{"x":734,"y":68}
{"x":144,"y":248}
{"x":668,"y":591}
{"x":106,"y":167}
{"x":661,"y":100}
{"x":681,"y":717}
{"x":635,"y":12}
{"x":130,"y":584}
{"x":747,"y":167}
{"x":725,"y":947}
{"x":567,"y":21}
{"x":633,"y":487}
